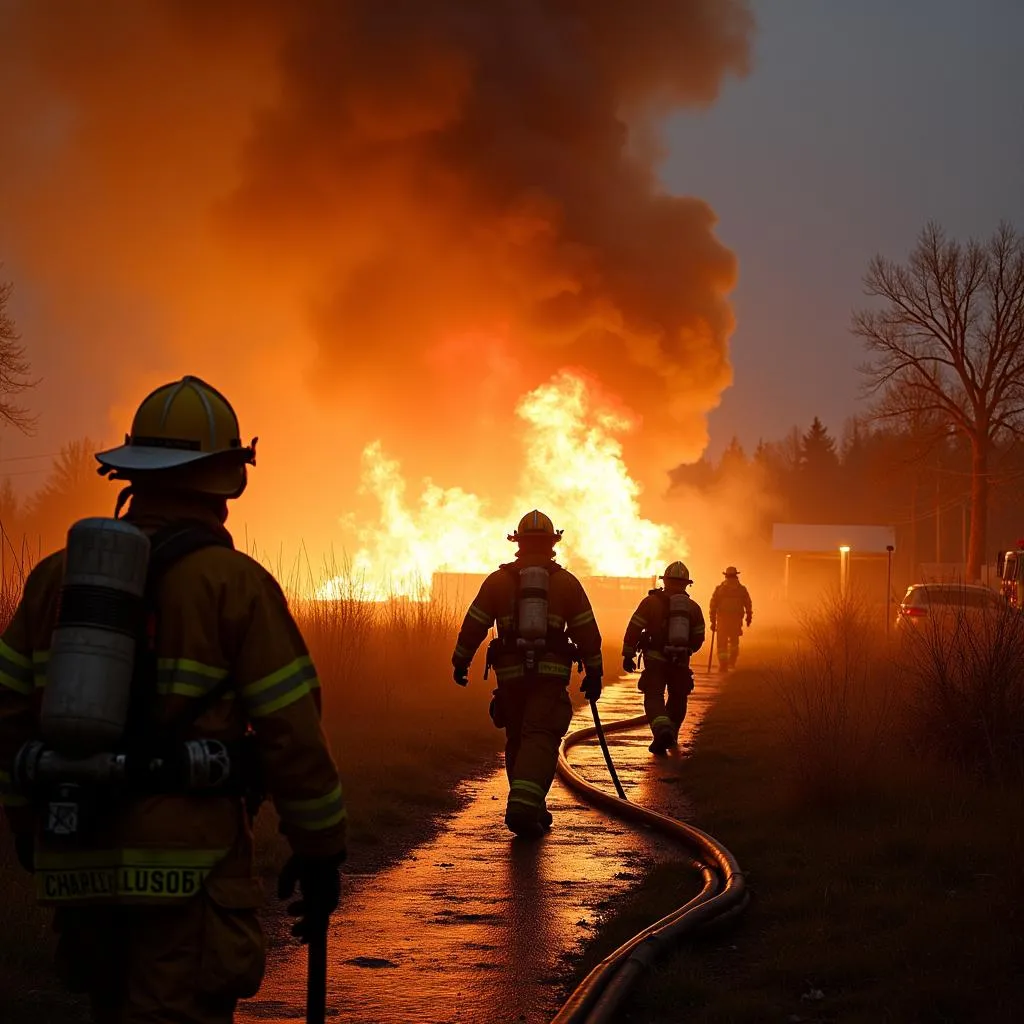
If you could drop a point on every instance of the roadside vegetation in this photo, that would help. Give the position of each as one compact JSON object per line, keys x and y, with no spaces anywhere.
{"x":873,"y":797}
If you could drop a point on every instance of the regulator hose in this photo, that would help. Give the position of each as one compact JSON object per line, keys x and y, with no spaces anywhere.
{"x":598,"y":998}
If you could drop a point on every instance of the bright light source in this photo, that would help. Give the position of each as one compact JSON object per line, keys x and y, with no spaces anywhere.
{"x":845,"y":549}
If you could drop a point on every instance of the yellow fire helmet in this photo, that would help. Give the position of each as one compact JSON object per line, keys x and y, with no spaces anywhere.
{"x":185,"y":432}
{"x":536,"y":524}
{"x":677,"y":571}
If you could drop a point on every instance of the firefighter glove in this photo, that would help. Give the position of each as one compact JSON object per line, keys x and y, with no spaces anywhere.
{"x":24,"y":849}
{"x":591,"y":687}
{"x":461,"y":674}
{"x":749,"y":617}
{"x":628,"y":663}
{"x":319,"y":882}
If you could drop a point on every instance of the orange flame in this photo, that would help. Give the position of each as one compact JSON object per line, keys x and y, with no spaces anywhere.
{"x":573,"y":469}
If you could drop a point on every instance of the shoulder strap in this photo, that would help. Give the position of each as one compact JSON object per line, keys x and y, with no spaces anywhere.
{"x":171,"y":544}
{"x":168,"y":546}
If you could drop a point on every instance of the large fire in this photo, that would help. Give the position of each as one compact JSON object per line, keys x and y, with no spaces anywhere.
{"x":572,"y":468}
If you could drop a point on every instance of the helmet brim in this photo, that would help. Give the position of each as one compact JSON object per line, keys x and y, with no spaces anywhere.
{"x":142,"y":458}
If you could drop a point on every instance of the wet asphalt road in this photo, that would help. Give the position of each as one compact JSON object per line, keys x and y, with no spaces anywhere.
{"x":476,"y":926}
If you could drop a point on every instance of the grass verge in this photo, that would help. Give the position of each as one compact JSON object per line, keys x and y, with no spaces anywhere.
{"x":893,"y":896}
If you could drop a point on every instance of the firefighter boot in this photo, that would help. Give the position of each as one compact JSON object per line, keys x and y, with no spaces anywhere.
{"x":545,"y":819}
{"x":663,"y":738}
{"x":524,"y":821}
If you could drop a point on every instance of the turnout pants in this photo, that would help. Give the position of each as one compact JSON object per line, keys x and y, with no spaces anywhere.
{"x":655,"y":682}
{"x":536,"y":716}
{"x":729,"y":634}
{"x":183,"y":964}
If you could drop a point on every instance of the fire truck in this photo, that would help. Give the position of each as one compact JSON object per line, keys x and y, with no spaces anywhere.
{"x":1010,"y":569}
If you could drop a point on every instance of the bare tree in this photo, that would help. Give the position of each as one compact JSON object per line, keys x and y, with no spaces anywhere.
{"x":947,"y":347}
{"x":14,"y":368}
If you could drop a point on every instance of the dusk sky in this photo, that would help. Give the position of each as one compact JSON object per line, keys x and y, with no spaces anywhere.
{"x":859,"y":122}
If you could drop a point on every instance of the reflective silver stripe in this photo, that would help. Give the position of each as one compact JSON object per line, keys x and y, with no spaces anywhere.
{"x":281,"y":688}
{"x":582,"y":619}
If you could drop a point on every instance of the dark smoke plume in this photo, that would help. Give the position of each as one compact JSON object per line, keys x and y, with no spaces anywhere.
{"x":438,"y":195}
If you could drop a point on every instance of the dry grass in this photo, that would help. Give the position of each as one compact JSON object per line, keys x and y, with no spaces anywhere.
{"x":869,"y":799}
{"x":964,"y":681}
{"x":838,"y":693}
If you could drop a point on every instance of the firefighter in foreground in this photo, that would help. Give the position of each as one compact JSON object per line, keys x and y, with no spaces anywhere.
{"x":729,"y":604}
{"x":545,"y":624}
{"x":149,"y":678}
{"x":667,"y":627}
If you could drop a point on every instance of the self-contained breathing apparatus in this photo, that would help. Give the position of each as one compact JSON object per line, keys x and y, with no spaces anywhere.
{"x":98,"y":742}
{"x":674,"y":643}
{"x":531,"y":635}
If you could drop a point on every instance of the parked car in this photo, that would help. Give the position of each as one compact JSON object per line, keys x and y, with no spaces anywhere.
{"x":925,"y":603}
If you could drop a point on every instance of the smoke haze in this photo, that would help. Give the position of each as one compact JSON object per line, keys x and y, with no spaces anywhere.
{"x":365,"y":220}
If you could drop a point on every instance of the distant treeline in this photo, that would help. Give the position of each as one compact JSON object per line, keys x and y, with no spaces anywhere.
{"x":871,"y":475}
{"x":37,"y":524}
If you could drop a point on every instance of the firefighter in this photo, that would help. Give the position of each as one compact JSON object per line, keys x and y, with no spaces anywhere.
{"x":545,"y":624}
{"x":152,"y":878}
{"x":729,"y":604}
{"x":667,"y":627}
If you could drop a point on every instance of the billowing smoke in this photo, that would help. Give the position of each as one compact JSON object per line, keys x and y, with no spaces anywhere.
{"x":349,"y":210}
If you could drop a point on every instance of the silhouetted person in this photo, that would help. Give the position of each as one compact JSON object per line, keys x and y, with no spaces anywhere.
{"x":151,"y":871}
{"x":545,"y":623}
{"x":729,"y":604}
{"x":667,"y":627}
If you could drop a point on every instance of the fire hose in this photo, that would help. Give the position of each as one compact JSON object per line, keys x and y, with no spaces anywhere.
{"x":598,"y":998}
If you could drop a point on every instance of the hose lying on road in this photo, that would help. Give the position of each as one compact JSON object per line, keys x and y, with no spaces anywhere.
{"x":600,"y":994}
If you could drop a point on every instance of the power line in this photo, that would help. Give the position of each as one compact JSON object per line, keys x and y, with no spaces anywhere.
{"x":27,"y":458}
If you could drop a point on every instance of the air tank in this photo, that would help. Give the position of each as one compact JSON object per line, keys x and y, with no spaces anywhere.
{"x":92,"y":653}
{"x":533,"y":603}
{"x":678,"y":634}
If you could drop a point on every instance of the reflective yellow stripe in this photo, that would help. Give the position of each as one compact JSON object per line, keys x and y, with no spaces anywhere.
{"x":8,"y":796}
{"x":661,"y":720}
{"x":281,"y":688}
{"x":15,"y":670}
{"x":479,"y":615}
{"x":113,"y":874}
{"x":594,"y":661}
{"x":556,"y":622}
{"x":314,"y":814}
{"x":638,"y":620}
{"x":505,"y":672}
{"x":554,"y":668}
{"x":463,"y":652}
{"x":582,"y":619}
{"x":40,"y":665}
{"x":522,"y":791}
{"x":188,"y":678}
